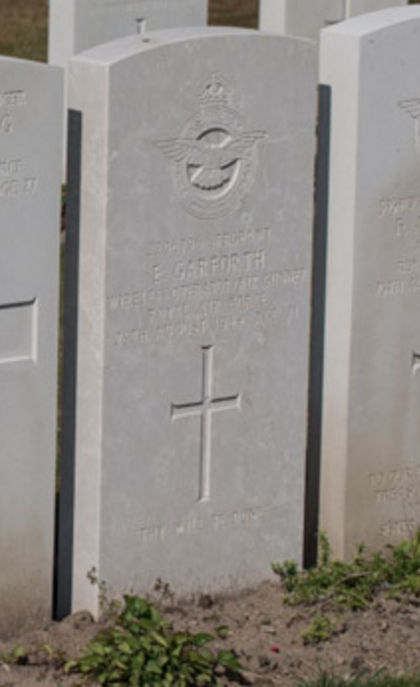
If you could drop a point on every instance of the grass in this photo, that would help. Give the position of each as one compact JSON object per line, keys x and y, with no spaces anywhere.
{"x":235,"y":13}
{"x":23,"y":29}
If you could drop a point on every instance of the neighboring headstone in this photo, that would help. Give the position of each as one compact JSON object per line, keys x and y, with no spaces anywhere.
{"x":356,"y":7}
{"x":306,"y":18}
{"x":303,"y":18}
{"x":76,"y":25}
{"x":30,"y":167}
{"x":196,"y":223}
{"x":371,"y":432}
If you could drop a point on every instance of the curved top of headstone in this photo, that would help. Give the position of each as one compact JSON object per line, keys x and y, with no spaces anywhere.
{"x":124,"y":48}
{"x":374,"y":21}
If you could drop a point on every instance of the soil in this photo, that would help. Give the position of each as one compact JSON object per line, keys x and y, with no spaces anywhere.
{"x":263,"y":632}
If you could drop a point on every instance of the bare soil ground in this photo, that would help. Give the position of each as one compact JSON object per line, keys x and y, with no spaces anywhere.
{"x":264,"y":633}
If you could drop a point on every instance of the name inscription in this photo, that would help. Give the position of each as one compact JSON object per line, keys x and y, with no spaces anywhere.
{"x":10,"y":100}
{"x":16,"y":179}
{"x":402,"y":220}
{"x":397,"y":488}
{"x":194,"y":287}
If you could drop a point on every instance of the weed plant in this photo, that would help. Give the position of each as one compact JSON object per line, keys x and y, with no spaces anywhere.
{"x":321,"y":628}
{"x":354,"y":585}
{"x":142,"y":650}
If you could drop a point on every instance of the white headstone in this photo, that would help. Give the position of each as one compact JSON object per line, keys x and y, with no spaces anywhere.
{"x":356,"y":7}
{"x":306,"y":18}
{"x":371,"y":431}
{"x":30,"y":167}
{"x":196,"y":216}
{"x":76,"y":25}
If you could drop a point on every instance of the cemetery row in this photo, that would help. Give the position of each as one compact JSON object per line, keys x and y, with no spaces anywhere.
{"x":306,"y":19}
{"x":191,"y":212}
{"x":77,"y":25}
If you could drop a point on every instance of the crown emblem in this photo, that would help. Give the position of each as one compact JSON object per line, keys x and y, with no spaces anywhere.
{"x":216,"y":91}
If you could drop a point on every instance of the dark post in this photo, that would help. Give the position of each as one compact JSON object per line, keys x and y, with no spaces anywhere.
{"x":65,"y":502}
{"x":313,"y":457}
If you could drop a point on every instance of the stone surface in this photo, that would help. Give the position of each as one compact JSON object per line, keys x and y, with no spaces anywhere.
{"x":30,"y":127}
{"x":306,"y":18}
{"x":196,"y":216}
{"x":76,"y":25}
{"x":356,"y":7}
{"x":371,"y":435}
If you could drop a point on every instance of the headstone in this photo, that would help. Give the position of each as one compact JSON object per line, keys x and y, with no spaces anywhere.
{"x":356,"y":7}
{"x":76,"y":25}
{"x":306,"y":18}
{"x":195,"y":234}
{"x":371,"y":432}
{"x":30,"y":166}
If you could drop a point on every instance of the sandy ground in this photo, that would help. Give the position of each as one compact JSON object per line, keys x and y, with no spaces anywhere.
{"x":263,"y":631}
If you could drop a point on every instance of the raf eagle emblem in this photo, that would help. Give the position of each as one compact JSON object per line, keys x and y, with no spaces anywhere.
{"x":214,"y":158}
{"x":211,"y":165}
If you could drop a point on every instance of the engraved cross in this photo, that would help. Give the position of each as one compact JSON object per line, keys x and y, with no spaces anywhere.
{"x":205,"y":409}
